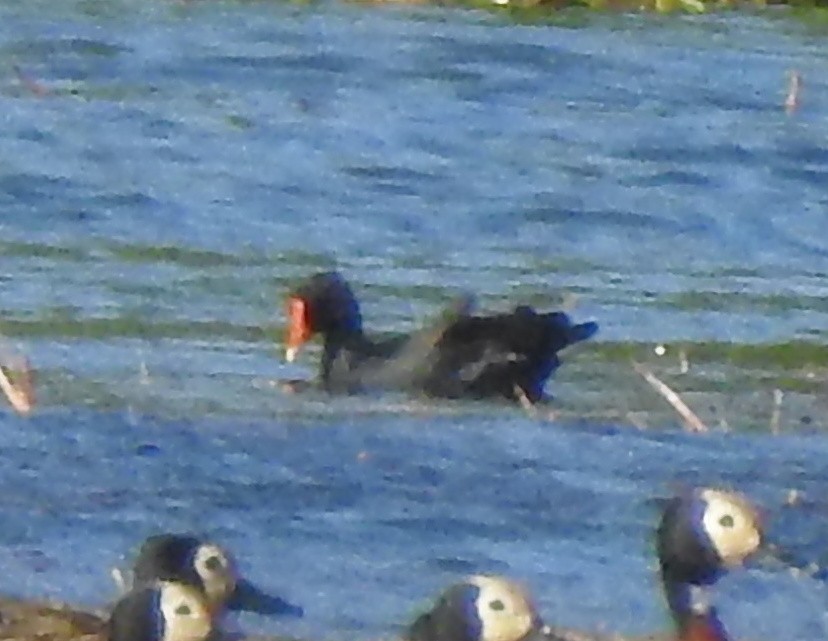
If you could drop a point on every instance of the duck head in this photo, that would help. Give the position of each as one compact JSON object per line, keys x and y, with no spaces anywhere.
{"x":210,"y":568}
{"x":162,"y":611}
{"x":702,"y":534}
{"x":481,"y":608}
{"x":322,"y":304}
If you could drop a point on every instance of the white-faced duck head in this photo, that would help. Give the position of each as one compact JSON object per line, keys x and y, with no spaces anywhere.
{"x":481,"y":608}
{"x":322,"y":304}
{"x":210,"y":568}
{"x":702,"y":533}
{"x":705,"y":531}
{"x":162,"y":611}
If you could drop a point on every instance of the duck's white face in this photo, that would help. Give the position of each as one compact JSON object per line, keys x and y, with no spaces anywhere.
{"x":186,"y":615}
{"x":505,"y":609}
{"x":733,"y":525}
{"x":217,"y":571}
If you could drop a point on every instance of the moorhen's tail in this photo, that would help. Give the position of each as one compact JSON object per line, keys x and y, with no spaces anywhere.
{"x":502,"y":355}
{"x":566,"y":334}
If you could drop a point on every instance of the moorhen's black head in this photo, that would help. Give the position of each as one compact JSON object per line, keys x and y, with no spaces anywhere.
{"x":481,"y":608}
{"x":323,"y":304}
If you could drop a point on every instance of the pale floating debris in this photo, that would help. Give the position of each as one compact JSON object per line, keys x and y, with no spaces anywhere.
{"x":776,"y":415}
{"x":794,"y":87}
{"x":120,"y":579}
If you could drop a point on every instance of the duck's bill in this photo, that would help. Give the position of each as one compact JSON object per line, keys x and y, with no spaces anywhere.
{"x":774,"y":557}
{"x":249,"y":598}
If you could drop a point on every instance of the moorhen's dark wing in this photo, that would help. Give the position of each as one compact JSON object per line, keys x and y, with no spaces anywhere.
{"x":405,"y":361}
{"x":493,"y":356}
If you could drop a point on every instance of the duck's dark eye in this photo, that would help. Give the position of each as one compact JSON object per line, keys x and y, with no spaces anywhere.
{"x":183,"y":610}
{"x":497,"y":605}
{"x":726,"y":521}
{"x":213,"y":564}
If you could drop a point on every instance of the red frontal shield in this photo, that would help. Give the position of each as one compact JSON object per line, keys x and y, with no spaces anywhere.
{"x":298,"y":328}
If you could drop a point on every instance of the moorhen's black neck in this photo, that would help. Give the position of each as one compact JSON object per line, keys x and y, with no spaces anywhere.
{"x":340,"y":351}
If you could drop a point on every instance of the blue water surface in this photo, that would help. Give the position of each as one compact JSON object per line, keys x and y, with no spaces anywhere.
{"x":168,"y":168}
{"x":362,"y":520}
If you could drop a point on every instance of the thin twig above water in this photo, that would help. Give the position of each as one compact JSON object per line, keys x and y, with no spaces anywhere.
{"x":19,"y":387}
{"x":691,"y":421}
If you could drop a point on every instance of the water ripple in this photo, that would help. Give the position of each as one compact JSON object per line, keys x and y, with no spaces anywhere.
{"x":169,"y":170}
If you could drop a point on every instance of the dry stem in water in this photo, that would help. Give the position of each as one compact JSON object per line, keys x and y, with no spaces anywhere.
{"x":691,"y":421}
{"x":19,"y":388}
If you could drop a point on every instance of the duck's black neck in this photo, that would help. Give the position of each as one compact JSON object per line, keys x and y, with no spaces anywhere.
{"x":695,"y":617}
{"x":340,"y":352}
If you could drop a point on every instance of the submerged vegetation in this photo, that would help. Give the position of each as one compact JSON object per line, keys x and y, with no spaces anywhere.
{"x":813,"y":12}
